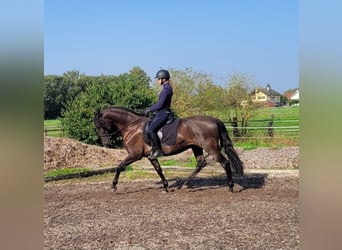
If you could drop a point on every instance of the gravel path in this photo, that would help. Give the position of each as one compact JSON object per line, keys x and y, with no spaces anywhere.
{"x":268,"y":158}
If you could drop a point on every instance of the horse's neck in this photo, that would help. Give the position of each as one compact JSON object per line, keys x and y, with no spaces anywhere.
{"x":122,"y":120}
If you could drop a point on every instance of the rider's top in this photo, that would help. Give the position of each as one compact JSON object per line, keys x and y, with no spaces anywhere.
{"x":165,"y":97}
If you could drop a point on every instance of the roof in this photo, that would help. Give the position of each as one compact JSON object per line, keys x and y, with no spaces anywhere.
{"x":295,"y":95}
{"x":290,"y":93}
{"x":269,"y":91}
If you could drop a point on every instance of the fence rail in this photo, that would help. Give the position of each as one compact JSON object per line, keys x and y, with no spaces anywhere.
{"x":55,"y":131}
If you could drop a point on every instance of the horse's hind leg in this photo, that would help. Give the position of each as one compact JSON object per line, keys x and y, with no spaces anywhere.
{"x":228,"y":170}
{"x":226,"y":165}
{"x":200,"y":164}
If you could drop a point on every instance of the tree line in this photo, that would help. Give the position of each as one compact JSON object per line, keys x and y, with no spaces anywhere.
{"x":73,"y":97}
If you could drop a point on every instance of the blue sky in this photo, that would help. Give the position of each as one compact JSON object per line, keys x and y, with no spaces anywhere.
{"x":218,"y":37}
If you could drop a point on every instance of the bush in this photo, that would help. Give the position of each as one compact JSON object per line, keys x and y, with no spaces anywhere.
{"x":127,"y":90}
{"x":77,"y":118}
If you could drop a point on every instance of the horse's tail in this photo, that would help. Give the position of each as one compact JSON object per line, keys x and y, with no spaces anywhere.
{"x":227,"y":144}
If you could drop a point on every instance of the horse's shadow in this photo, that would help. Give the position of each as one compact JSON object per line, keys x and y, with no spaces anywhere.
{"x":200,"y":183}
{"x":247,"y":181}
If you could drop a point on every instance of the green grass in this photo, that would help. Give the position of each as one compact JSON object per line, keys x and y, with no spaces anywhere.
{"x":65,"y":171}
{"x":283,"y":134}
{"x":135,"y":172}
{"x":53,"y":128}
{"x":280,"y":113}
{"x":190,"y":163}
{"x":52,"y":122}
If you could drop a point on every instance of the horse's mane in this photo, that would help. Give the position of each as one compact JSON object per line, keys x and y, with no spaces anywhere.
{"x":123,"y":109}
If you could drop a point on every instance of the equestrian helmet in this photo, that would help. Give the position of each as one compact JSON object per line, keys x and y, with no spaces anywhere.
{"x":164,"y":74}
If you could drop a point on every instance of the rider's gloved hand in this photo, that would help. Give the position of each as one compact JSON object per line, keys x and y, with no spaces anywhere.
{"x":146,"y":112}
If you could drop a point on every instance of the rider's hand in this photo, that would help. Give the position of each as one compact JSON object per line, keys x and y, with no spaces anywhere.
{"x":146,"y":112}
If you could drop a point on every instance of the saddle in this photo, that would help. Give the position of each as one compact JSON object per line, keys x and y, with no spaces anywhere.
{"x":167,"y":133}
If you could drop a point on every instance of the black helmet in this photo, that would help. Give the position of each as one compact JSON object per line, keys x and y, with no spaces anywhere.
{"x":164,"y":74}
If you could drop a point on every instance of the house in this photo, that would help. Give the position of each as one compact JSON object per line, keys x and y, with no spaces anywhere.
{"x":266,"y":96}
{"x":292,"y":94}
{"x":292,"y":97}
{"x":295,"y":95}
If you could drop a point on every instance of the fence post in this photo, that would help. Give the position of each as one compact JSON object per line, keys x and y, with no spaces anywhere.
{"x":235,"y":125}
{"x":270,"y":126}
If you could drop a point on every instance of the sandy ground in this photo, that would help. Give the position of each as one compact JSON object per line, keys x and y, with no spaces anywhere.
{"x":139,"y":215}
{"x":262,"y":213}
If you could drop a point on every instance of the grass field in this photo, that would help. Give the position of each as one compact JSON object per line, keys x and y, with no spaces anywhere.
{"x":53,"y":128}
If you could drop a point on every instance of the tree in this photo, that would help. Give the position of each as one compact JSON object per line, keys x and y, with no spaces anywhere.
{"x":210,"y":97}
{"x":132,"y":90}
{"x":52,"y":96}
{"x":239,"y":99}
{"x":194,"y":92}
{"x":59,"y":89}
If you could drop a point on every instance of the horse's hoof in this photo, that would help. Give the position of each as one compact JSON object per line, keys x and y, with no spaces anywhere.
{"x":231,"y":189}
{"x":114,"y":188}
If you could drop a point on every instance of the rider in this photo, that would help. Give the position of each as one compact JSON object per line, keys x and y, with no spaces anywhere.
{"x":162,"y":109}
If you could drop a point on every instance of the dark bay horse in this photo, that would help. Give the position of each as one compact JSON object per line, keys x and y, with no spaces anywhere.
{"x":200,"y":133}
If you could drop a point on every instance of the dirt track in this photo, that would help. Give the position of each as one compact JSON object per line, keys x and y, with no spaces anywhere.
{"x":88,"y":215}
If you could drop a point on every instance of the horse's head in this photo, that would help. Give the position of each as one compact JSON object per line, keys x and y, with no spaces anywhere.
{"x":103,"y":128}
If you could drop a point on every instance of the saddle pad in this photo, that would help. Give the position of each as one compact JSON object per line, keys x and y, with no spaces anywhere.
{"x":168,"y":133}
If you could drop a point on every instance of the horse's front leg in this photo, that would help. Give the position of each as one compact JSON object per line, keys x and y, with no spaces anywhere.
{"x":159,"y":170}
{"x":116,"y":178}
{"x":122,"y":167}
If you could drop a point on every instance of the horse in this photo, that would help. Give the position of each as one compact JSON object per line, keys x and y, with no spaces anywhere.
{"x":198,"y":132}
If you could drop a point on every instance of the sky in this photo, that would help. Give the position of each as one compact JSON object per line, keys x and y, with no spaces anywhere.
{"x":216,"y":37}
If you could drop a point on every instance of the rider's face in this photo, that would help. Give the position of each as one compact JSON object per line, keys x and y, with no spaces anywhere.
{"x":160,"y":81}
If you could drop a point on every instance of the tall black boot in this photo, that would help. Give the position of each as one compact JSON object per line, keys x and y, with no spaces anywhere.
{"x":156,"y":147}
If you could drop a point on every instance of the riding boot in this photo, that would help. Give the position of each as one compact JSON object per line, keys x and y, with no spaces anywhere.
{"x":156,"y":147}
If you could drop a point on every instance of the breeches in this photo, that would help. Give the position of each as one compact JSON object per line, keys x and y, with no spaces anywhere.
{"x":158,"y":121}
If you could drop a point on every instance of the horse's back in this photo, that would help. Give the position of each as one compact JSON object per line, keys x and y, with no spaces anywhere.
{"x":200,"y":124}
{"x":199,"y":119}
